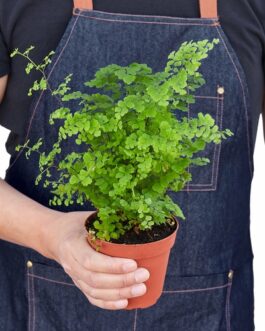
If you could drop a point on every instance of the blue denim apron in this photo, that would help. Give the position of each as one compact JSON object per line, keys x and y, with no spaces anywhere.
{"x":209,"y":282}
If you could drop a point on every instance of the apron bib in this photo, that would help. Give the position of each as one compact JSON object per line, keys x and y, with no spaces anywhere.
{"x":209,"y":282}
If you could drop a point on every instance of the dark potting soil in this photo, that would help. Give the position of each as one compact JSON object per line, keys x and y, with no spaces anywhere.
{"x":136,"y":236}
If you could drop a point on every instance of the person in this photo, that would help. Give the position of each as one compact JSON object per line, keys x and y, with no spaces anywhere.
{"x":50,"y":278}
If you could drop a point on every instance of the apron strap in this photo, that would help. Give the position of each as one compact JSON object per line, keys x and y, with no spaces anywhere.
{"x":83,"y":4}
{"x":208,"y":8}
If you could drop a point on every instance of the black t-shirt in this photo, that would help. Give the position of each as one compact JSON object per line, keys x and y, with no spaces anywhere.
{"x":42,"y":24}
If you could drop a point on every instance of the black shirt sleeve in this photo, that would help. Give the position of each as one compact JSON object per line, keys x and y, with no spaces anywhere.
{"x":24,"y":23}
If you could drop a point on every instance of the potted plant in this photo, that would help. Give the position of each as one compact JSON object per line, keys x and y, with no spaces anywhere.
{"x":134,"y":150}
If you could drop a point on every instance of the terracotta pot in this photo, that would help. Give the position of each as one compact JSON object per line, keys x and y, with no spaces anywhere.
{"x":152,"y":256}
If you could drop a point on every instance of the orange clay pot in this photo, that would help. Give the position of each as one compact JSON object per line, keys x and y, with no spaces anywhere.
{"x":152,"y":256}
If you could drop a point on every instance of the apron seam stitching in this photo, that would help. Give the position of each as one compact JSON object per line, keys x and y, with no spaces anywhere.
{"x":216,"y":155}
{"x":33,"y":302}
{"x":198,"y":290}
{"x":244,"y":95}
{"x":50,"y":280}
{"x":228,"y":295}
{"x":219,"y":147}
{"x":30,"y":303}
{"x":135,"y":319}
{"x":213,"y":24}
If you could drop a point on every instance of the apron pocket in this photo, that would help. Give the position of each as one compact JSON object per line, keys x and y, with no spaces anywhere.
{"x":190,"y":303}
{"x":56,"y":304}
{"x":204,"y":178}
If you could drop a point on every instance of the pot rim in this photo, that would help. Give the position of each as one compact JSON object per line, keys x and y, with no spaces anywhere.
{"x":119,"y":244}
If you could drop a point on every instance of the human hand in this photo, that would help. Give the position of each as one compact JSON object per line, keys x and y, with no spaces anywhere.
{"x":107,"y":282}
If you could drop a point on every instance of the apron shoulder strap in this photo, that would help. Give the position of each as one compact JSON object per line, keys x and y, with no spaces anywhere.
{"x":83,"y":4}
{"x":208,"y":8}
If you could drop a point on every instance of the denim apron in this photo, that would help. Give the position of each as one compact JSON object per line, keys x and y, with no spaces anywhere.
{"x":209,"y":282}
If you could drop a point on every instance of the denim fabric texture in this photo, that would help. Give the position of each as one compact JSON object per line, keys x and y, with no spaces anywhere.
{"x":209,"y":282}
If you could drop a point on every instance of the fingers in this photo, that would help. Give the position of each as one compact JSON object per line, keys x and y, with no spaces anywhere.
{"x":110,"y":281}
{"x":103,"y":280}
{"x":112,"y":294}
{"x":111,"y":298}
{"x":98,"y":262}
{"x":110,"y":305}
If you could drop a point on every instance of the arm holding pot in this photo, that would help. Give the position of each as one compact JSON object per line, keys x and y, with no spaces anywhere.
{"x":107,"y":282}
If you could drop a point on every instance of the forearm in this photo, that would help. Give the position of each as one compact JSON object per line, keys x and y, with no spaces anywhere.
{"x":22,"y":220}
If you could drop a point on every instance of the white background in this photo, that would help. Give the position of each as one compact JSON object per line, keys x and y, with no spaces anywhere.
{"x":257,"y":219}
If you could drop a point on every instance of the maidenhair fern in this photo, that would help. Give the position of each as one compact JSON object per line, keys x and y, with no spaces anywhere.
{"x":137,"y":149}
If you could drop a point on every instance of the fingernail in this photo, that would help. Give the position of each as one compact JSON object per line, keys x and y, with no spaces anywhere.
{"x":138,"y":290}
{"x":121,"y":304}
{"x":141,"y":275}
{"x":130,"y":266}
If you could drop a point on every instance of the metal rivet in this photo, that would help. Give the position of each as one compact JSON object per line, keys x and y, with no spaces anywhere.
{"x":221,"y":90}
{"x":29,"y":264}
{"x":230,"y":274}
